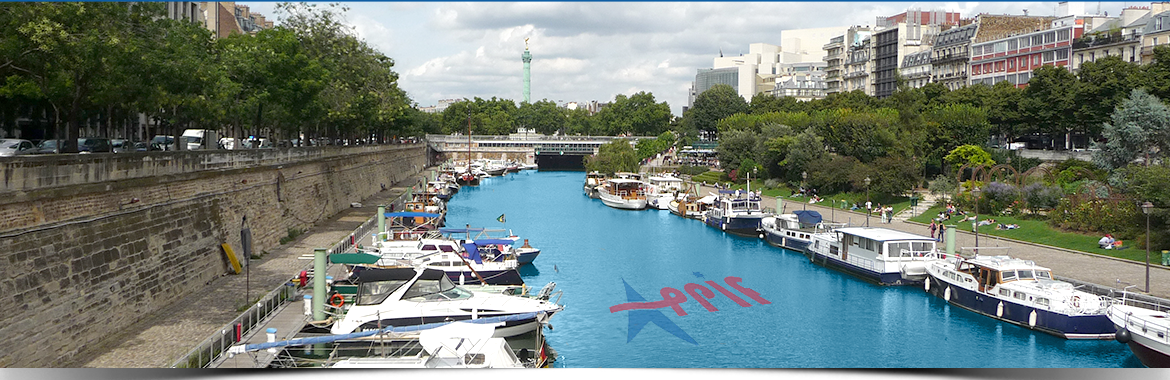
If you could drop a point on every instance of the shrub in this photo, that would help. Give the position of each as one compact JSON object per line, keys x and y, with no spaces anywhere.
{"x":1097,"y":215}
{"x":1041,"y":197}
{"x":772,"y":183}
{"x":1000,"y":197}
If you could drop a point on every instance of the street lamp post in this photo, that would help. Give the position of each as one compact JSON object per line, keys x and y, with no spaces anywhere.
{"x":975,"y":223}
{"x":867,"y":208}
{"x":1146,"y":207}
{"x":803,"y":177}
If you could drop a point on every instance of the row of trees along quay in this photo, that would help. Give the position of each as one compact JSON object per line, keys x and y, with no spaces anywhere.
{"x":99,"y":65}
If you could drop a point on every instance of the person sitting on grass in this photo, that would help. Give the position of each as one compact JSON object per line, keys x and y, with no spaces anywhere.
{"x":1002,"y":226}
{"x":1106,"y":242}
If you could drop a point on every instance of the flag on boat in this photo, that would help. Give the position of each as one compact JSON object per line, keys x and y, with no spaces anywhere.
{"x":501,"y":218}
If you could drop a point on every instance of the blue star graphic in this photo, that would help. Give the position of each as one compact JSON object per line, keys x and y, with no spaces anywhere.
{"x":699,"y":275}
{"x":639,"y":318}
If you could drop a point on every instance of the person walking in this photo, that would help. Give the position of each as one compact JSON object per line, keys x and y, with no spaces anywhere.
{"x":942,"y":230}
{"x":933,"y":228}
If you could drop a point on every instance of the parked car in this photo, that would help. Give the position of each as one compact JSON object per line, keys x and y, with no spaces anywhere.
{"x":162,"y":143}
{"x":94,"y":145}
{"x":140,"y":146}
{"x":120,"y":145}
{"x":49,"y":147}
{"x":16,"y":147}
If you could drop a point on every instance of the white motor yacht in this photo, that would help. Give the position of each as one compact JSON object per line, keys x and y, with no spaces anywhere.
{"x":397,"y":297}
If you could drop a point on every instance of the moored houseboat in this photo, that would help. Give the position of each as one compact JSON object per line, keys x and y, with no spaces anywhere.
{"x":884,"y":256}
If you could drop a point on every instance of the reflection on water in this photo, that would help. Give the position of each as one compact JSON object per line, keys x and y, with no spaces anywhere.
{"x":817,"y":317}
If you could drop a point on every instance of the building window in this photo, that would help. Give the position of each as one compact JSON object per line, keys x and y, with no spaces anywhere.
{"x":1037,"y":40}
{"x":1024,"y":42}
{"x":1063,"y":55}
{"x":1013,"y":44}
{"x":1062,"y":35}
{"x":1049,"y":37}
{"x":1011,"y":64}
{"x":1048,"y":56}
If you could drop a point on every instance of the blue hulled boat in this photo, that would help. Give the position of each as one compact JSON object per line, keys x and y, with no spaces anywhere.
{"x":1020,"y":292}
{"x":737,"y":212}
{"x":792,"y":231}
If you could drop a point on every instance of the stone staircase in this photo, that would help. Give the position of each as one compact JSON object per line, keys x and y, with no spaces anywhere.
{"x":925,"y":202}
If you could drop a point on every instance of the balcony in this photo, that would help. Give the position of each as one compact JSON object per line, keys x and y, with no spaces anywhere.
{"x":1103,"y":40}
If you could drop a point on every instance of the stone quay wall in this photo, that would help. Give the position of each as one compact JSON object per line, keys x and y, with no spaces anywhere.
{"x":89,"y":254}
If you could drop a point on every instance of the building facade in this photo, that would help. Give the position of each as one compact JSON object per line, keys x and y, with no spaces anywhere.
{"x":1013,"y":58}
{"x":950,"y":55}
{"x":226,"y":17}
{"x":916,"y":69}
{"x":855,"y":76}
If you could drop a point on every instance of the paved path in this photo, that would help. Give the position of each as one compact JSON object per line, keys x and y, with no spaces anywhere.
{"x":163,"y":336}
{"x":1096,"y":269}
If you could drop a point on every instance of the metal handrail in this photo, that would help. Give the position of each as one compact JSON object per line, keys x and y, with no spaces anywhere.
{"x":214,"y":346}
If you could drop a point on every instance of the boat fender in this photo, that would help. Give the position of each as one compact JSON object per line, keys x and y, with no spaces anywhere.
{"x":926,"y":284}
{"x":761,"y":236}
{"x":1123,"y":336}
{"x":947,"y":294}
{"x":999,"y":310}
{"x":1032,"y":319}
{"x":337,"y":300}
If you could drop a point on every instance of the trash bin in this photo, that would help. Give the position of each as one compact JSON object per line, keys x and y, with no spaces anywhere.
{"x":1166,"y":258}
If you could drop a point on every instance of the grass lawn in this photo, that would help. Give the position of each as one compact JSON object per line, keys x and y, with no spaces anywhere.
{"x":1038,"y":231}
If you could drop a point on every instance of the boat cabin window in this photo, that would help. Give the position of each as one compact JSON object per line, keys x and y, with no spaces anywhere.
{"x":900,"y":249}
{"x":1043,"y":274}
{"x":373,"y":293}
{"x":1042,"y":301}
{"x":1009,"y":275}
{"x":1025,"y":274}
{"x":1005,"y":292}
{"x":1019,"y":295}
{"x":446,"y":248}
{"x":435,"y":290}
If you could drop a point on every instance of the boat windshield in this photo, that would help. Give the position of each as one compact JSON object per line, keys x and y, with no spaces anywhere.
{"x":1043,"y":274}
{"x":435,"y":290}
{"x":373,"y":293}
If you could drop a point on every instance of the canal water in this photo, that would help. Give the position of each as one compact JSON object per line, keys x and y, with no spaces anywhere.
{"x":813,"y":317}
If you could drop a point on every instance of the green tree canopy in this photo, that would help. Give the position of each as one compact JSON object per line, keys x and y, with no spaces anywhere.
{"x":615,"y":156}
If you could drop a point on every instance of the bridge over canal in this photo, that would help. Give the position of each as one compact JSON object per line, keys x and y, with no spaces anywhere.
{"x":548,"y":152}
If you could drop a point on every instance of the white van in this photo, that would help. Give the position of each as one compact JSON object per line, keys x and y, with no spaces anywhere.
{"x":201,"y":139}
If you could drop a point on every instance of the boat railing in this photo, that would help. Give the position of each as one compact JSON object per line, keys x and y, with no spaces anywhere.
{"x":1139,"y":300}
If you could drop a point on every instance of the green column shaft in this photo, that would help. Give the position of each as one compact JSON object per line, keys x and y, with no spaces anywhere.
{"x":319,"y":270}
{"x":950,"y":240}
{"x":381,"y":221}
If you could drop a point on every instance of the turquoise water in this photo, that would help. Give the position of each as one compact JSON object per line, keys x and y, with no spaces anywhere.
{"x":816,"y":317}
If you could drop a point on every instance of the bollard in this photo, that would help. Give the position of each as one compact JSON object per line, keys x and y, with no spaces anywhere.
{"x":319,"y":284}
{"x":308,"y":305}
{"x":779,"y":205}
{"x":271,"y":338}
{"x":381,"y":221}
{"x":950,"y":240}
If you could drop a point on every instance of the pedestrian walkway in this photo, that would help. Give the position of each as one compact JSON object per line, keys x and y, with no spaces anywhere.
{"x":160,"y":338}
{"x":1101,"y":270}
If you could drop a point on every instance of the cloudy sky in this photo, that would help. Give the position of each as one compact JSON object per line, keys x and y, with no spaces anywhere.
{"x":595,"y":51}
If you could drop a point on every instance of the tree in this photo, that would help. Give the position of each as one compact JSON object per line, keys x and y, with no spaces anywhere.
{"x":1140,"y":125}
{"x":638,"y":114}
{"x":1049,"y":104}
{"x":970,"y":155}
{"x":806,"y":149}
{"x":69,"y":49}
{"x":615,"y":156}
{"x":544,"y":116}
{"x":716,"y":103}
{"x":1103,"y":85}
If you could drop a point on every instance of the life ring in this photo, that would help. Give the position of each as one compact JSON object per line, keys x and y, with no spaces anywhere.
{"x":337,"y":300}
{"x":1076,"y":302}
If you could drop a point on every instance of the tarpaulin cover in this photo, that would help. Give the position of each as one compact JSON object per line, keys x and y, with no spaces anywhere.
{"x":473,"y":252}
{"x":807,"y":217}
